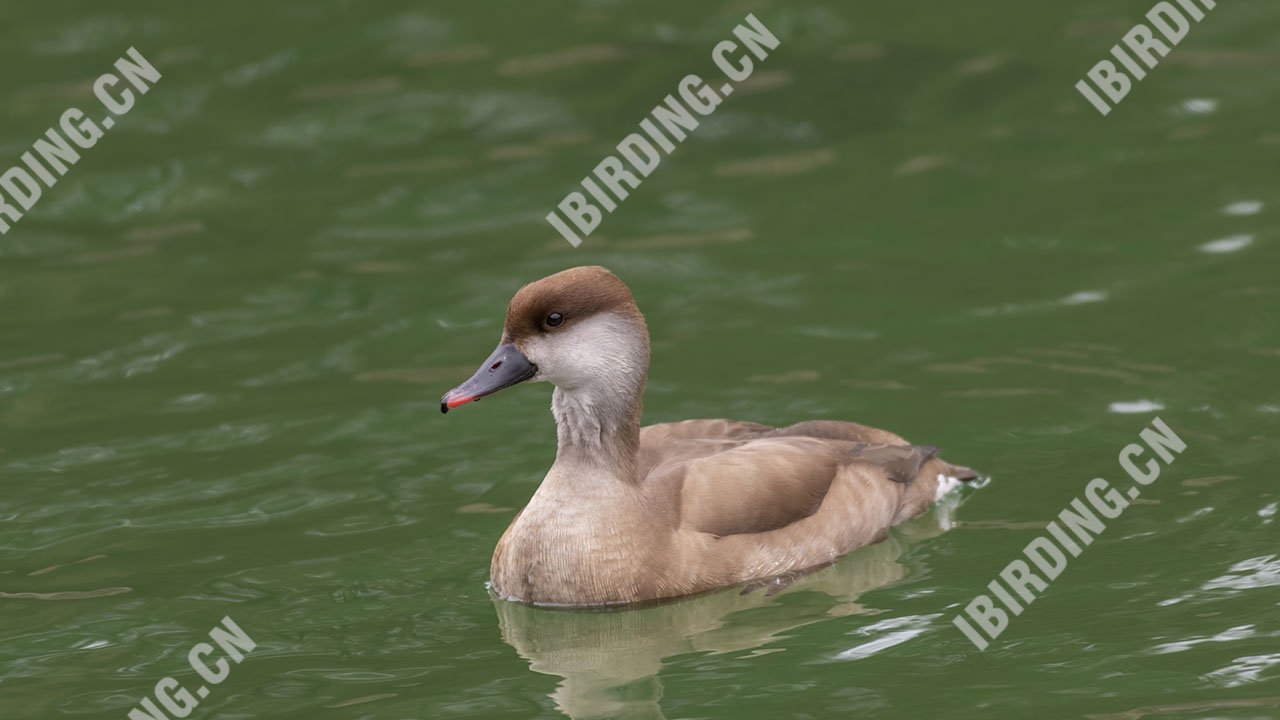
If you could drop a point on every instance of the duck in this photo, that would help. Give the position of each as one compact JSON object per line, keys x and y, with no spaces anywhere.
{"x":630,"y":514}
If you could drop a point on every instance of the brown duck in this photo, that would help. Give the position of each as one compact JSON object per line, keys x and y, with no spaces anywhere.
{"x":629,"y":513}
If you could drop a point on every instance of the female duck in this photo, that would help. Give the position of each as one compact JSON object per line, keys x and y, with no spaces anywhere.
{"x":627,"y":514}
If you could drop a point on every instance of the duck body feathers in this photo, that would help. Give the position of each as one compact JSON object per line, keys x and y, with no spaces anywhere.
{"x":714,"y":503}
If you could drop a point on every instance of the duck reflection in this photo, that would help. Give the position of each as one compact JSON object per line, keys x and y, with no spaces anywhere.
{"x":609,"y":661}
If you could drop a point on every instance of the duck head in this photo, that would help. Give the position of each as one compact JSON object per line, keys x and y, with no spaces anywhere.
{"x":578,"y":329}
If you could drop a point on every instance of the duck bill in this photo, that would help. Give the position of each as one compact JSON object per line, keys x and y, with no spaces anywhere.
{"x":505,"y":367}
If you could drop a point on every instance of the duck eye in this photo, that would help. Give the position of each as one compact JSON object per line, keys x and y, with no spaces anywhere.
{"x":555,"y":320}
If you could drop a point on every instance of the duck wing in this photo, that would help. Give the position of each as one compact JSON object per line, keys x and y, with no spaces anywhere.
{"x":758,"y":486}
{"x":734,"y":478}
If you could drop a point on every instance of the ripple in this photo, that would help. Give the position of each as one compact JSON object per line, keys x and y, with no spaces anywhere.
{"x":1085,"y":296}
{"x":250,"y":73}
{"x":1244,"y":207}
{"x":1259,"y":572}
{"x":87,"y":34}
{"x":1244,"y":670}
{"x":788,"y":164}
{"x":1196,"y":515}
{"x":1134,"y":406}
{"x":1200,"y":106}
{"x":68,"y":594}
{"x":1189,"y":707}
{"x":51,"y":568}
{"x":1239,"y":632}
{"x":559,"y":59}
{"x":362,"y":700}
{"x":1253,"y":573}
{"x":896,"y":631}
{"x":1227,"y":244}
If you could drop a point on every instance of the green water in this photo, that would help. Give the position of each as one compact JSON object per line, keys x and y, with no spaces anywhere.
{"x":223,"y":336}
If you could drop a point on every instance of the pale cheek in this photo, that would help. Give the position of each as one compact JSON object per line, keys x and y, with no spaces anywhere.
{"x":550,"y":360}
{"x":566,"y":361}
{"x":601,"y":351}
{"x":534,"y":353}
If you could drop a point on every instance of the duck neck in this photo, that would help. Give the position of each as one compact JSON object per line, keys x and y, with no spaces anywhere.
{"x":598,"y":430}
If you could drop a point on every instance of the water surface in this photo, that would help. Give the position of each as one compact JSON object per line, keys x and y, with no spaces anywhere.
{"x":224,"y":333}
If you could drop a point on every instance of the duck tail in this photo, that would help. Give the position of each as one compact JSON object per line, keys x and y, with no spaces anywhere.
{"x":952,"y":477}
{"x":962,"y":473}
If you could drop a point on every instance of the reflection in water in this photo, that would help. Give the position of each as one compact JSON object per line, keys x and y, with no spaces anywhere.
{"x":1189,"y":708}
{"x":609,"y":660}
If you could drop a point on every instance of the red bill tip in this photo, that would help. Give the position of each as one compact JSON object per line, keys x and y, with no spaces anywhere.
{"x":447,"y":403}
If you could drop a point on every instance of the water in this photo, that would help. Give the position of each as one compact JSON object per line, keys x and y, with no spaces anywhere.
{"x":225,"y":331}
